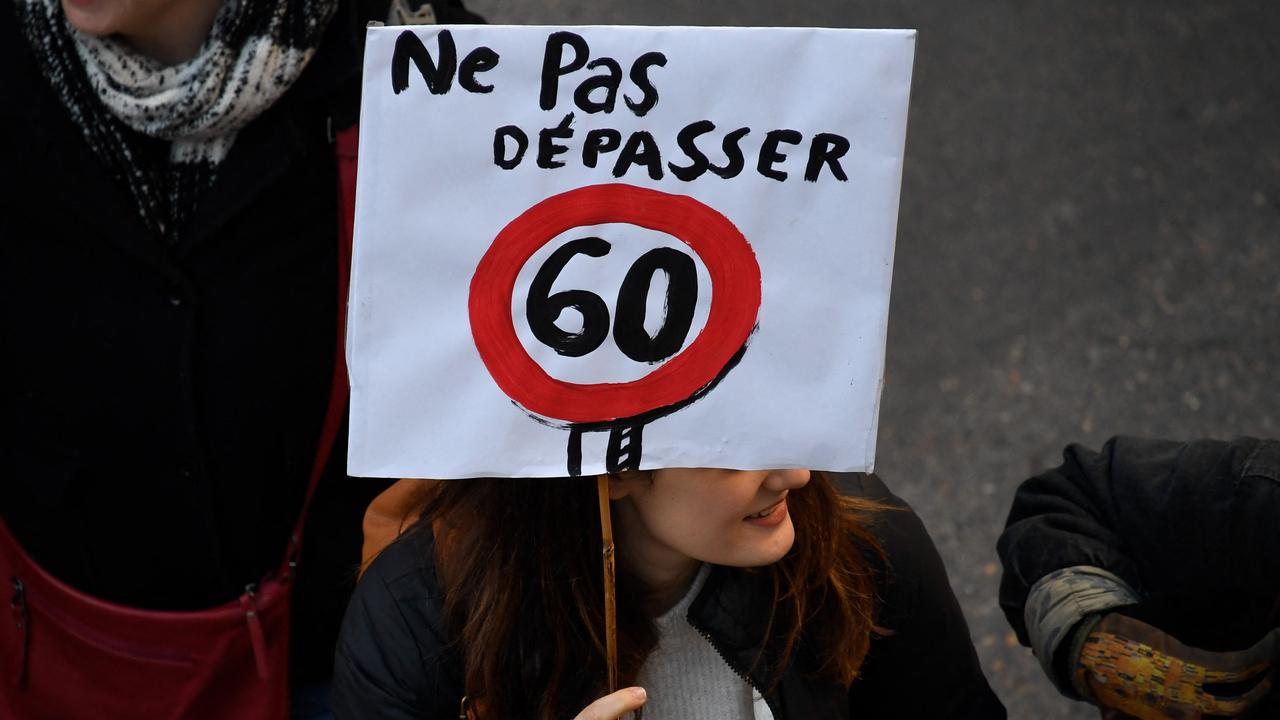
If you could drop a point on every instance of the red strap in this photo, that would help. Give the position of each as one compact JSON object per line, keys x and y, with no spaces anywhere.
{"x":345,"y":145}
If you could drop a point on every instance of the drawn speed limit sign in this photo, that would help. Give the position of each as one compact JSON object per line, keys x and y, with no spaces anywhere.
{"x":621,"y":408}
{"x":587,"y":249}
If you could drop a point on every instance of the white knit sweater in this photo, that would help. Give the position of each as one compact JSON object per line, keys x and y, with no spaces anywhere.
{"x":687,"y":679}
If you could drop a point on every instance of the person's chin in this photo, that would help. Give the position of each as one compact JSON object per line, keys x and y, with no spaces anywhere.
{"x":769,"y":550}
{"x":89,"y":16}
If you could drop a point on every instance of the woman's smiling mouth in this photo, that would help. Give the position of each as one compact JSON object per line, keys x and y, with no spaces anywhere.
{"x":770,"y":516}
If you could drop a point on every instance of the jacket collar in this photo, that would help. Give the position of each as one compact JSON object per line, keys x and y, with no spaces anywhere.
{"x":733,"y":613}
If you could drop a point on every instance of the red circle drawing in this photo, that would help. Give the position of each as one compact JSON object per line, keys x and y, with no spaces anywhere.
{"x":735,"y":301}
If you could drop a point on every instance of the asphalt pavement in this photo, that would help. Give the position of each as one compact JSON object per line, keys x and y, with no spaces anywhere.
{"x":1088,"y":245}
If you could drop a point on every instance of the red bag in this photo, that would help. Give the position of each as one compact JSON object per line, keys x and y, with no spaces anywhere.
{"x":68,"y":655}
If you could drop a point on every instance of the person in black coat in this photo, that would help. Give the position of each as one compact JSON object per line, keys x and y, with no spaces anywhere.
{"x":1172,"y":546}
{"x":170,"y":273}
{"x":498,"y":585}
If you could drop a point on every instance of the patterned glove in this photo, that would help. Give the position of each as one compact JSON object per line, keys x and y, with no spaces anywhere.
{"x":1136,"y":670}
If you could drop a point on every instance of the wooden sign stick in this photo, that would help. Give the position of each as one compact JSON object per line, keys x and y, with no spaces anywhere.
{"x":610,"y":574}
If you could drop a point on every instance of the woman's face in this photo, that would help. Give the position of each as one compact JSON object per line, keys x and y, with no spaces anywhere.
{"x":737,"y":518}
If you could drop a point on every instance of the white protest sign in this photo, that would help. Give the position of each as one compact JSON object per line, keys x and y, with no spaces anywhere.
{"x":591,"y":248}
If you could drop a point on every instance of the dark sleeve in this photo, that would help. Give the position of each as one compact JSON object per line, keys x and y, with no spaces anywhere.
{"x":392,"y":662}
{"x":1168,"y":518}
{"x":926,"y":667}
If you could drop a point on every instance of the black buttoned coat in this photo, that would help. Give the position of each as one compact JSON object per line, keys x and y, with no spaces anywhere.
{"x":161,"y":403}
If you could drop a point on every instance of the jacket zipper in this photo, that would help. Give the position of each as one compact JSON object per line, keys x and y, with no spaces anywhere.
{"x":249,"y":602}
{"x":736,"y":670}
{"x":21,"y":621}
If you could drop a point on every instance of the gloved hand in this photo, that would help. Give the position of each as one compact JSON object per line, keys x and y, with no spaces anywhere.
{"x":1124,"y":665}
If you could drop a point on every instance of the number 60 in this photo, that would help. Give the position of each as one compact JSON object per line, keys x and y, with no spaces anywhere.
{"x":542,"y":308}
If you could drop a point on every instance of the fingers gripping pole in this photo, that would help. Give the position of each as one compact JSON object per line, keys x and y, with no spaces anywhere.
{"x":610,"y":573}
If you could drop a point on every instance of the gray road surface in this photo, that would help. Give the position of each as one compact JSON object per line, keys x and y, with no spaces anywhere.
{"x":1089,"y":244}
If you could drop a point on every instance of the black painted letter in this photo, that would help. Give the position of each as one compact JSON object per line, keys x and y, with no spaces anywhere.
{"x":482,"y":59}
{"x":552,"y":69}
{"x":541,"y":308}
{"x":769,"y":155}
{"x":609,"y":82}
{"x":682,"y":294}
{"x":733,"y":152}
{"x":698,"y":161}
{"x":548,"y":150}
{"x":826,"y":148}
{"x":640,"y":76}
{"x":500,"y":145}
{"x":639,"y":150}
{"x":410,"y":47}
{"x":598,"y":141}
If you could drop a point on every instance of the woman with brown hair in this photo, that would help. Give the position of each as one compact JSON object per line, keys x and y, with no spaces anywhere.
{"x":741,"y":594}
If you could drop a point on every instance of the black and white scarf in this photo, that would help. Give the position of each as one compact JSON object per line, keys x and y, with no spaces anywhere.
{"x":253,"y":54}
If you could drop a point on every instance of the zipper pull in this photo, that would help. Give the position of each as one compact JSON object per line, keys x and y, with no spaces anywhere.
{"x":257,"y":639}
{"x":21,"y":621}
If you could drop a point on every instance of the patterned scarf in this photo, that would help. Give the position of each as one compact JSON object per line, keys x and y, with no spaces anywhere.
{"x":253,"y":54}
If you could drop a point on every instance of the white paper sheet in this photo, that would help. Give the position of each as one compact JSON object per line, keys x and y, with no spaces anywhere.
{"x":783,"y":282}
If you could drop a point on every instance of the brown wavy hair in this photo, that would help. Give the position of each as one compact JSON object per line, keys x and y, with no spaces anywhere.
{"x":520,"y":563}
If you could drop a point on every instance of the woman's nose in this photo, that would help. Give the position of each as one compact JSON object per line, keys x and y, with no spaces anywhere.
{"x":786,"y":479}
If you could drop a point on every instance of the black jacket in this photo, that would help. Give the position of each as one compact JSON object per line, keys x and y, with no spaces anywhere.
{"x":1192,"y":527}
{"x":394,"y":661}
{"x":160,"y":406}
